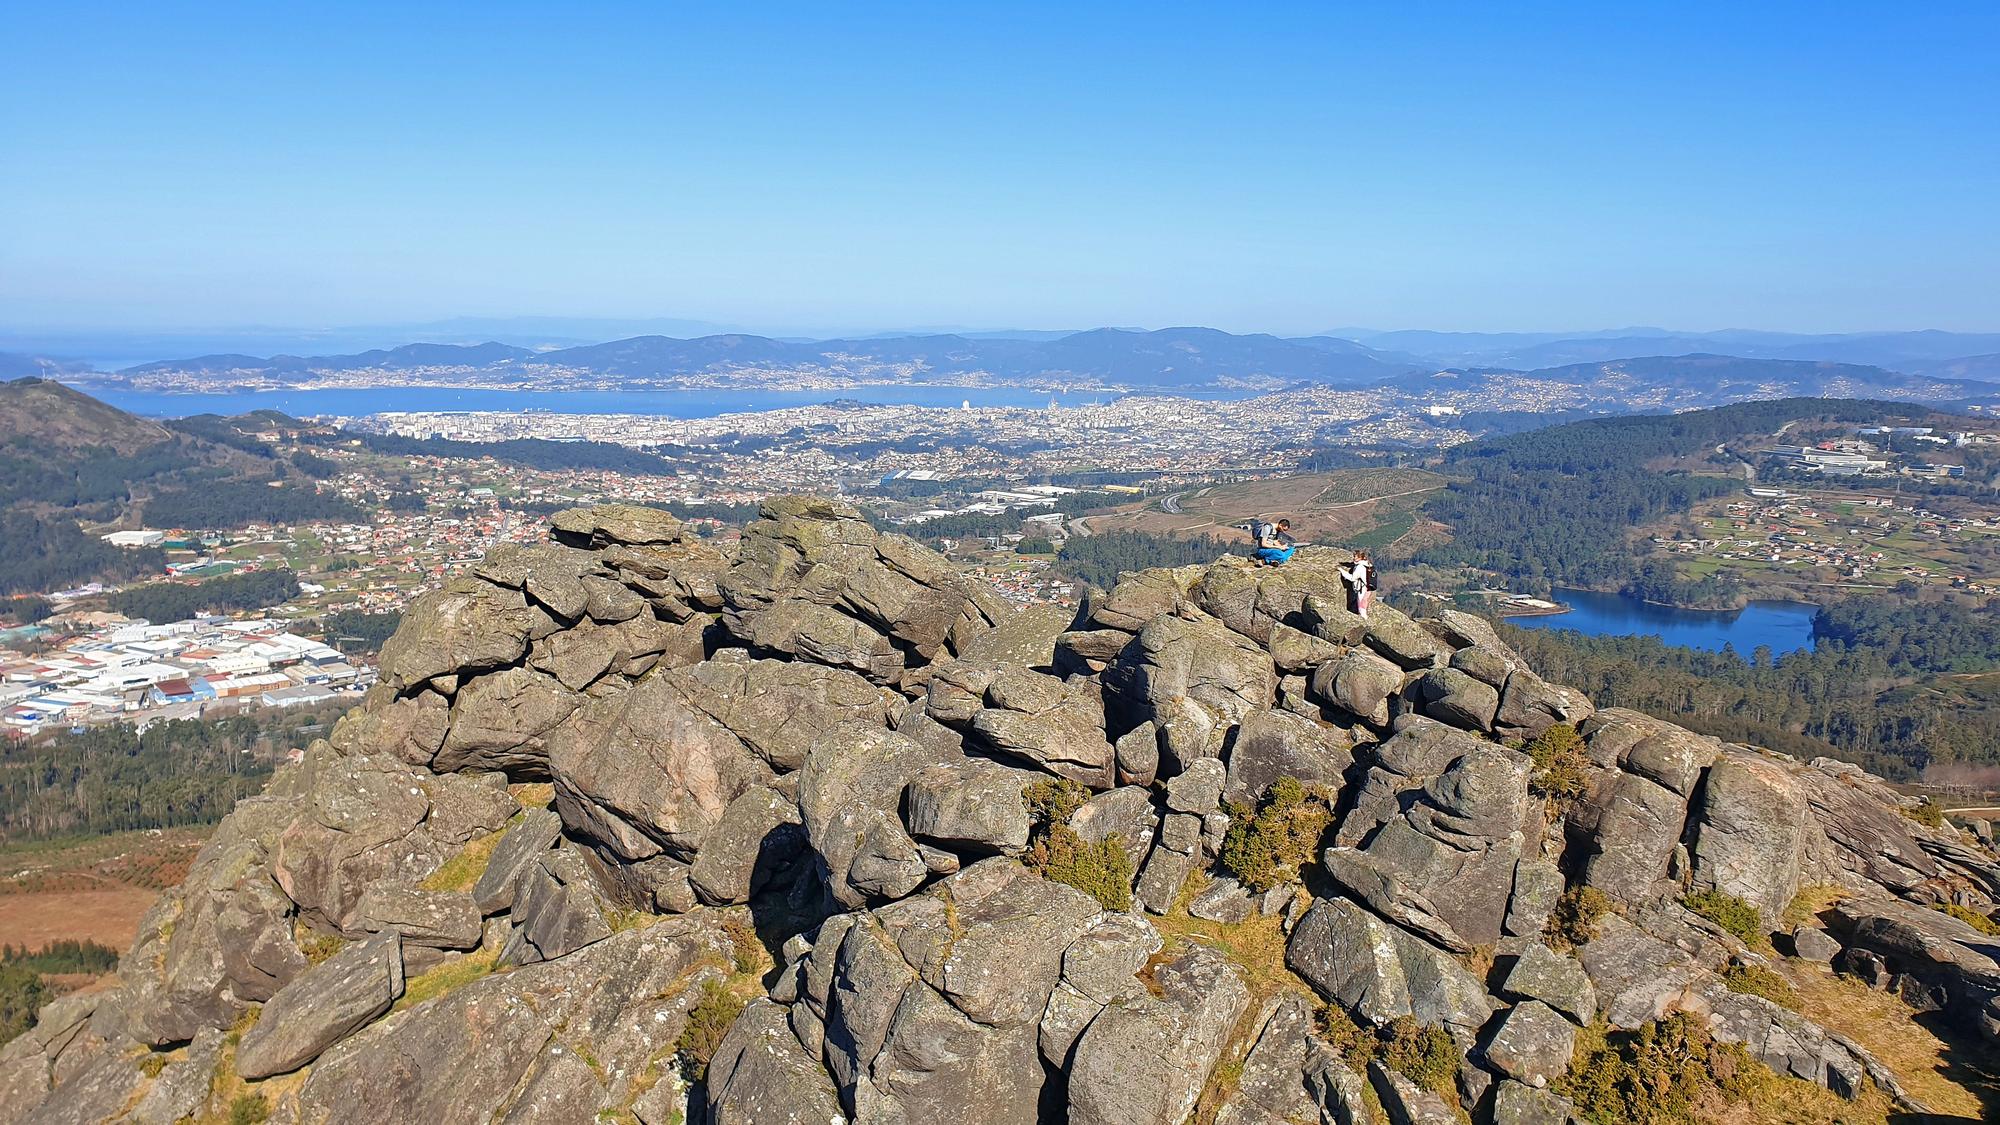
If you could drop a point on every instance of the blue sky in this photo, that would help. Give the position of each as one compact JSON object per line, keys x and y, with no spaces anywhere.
{"x":1822,"y":167}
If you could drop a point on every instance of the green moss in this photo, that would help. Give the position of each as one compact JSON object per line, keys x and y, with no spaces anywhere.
{"x":1425,"y":1055}
{"x":445,"y":977}
{"x":1926,"y":812}
{"x":249,"y":1109}
{"x":1756,"y":980}
{"x":708,"y":1021}
{"x":746,"y":951}
{"x":1806,"y":906}
{"x":462,"y":871}
{"x":318,"y":946}
{"x":1981,"y":922}
{"x":1663,"y":1073}
{"x":1735,"y":916}
{"x":1574,"y":920}
{"x":1267,"y":846}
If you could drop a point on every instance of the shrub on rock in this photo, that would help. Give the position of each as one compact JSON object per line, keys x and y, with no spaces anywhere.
{"x":1101,"y":869}
{"x":1574,"y":920}
{"x":1265,"y":847}
{"x":1562,"y":768}
{"x":1737,"y":917}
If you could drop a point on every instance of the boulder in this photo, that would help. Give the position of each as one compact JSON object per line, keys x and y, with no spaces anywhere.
{"x":558,"y":909}
{"x":1810,"y":943}
{"x":1198,"y":789}
{"x":1359,"y":684}
{"x":500,"y":1047}
{"x":1146,"y":1059}
{"x":435,"y":919}
{"x":1516,"y":1104}
{"x":522,"y":846}
{"x":1391,"y":633}
{"x":181,"y":1091}
{"x":643,"y":771}
{"x":410,"y":728}
{"x":1049,"y":723}
{"x":605,"y":525}
{"x":323,"y":1006}
{"x":970,"y":806}
{"x":850,"y":793}
{"x":1532,"y":1044}
{"x":1635,"y":824}
{"x":1138,"y":754}
{"x":1273,"y":1086}
{"x":1274,"y":744}
{"x":1379,"y":973}
{"x":1750,"y":832}
{"x":778,"y":708}
{"x":1127,"y":813}
{"x":1294,"y":650}
{"x":1406,"y":1103}
{"x":503,"y":721}
{"x":1538,"y":886}
{"x":1194,"y":680}
{"x":758,"y":836}
{"x":1530,"y":705}
{"x":1543,"y":975}
{"x":1638,"y":978}
{"x":467,"y":626}
{"x":1453,"y":696}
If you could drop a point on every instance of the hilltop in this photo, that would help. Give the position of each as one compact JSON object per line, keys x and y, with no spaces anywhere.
{"x":813,"y":829}
{"x":43,"y":414}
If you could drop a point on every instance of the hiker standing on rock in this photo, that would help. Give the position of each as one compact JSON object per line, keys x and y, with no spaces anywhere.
{"x":1360,"y":580}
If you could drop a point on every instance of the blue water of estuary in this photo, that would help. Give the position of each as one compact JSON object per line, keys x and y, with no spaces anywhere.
{"x":1784,"y":626}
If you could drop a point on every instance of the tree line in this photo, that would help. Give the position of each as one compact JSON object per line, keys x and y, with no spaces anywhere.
{"x":177,"y":601}
{"x":115,"y":778}
{"x":1554,"y":507}
{"x":38,"y":555}
{"x":1895,"y":685}
{"x":1100,"y":559}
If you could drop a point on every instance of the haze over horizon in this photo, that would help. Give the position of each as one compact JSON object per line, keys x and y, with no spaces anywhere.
{"x":812,"y":172}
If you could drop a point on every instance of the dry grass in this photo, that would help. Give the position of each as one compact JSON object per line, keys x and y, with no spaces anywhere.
{"x":226,"y":1086}
{"x":533,"y":794}
{"x":1944,"y":1075}
{"x":462,"y":871}
{"x":1331,"y":508}
{"x":459,"y":971}
{"x":1812,"y":901}
{"x":1257,"y":948}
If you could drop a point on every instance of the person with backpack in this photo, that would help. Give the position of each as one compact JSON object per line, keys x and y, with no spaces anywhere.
{"x":1359,"y":578}
{"x":1274,"y":542}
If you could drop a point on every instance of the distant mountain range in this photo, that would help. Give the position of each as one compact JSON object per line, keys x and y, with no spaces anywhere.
{"x":1716,"y":367}
{"x":1169,"y":359}
{"x":1925,"y":351}
{"x":1712,"y":380}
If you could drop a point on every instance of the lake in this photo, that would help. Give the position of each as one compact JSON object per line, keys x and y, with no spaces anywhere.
{"x":352,"y":401}
{"x":1784,"y":626}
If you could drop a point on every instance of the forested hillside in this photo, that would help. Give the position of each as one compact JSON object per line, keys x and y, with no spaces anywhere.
{"x":1895,"y":683}
{"x":1554,"y":506}
{"x":112,"y":778}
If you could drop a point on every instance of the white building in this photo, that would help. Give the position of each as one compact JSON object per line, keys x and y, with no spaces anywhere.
{"x":135,"y":539}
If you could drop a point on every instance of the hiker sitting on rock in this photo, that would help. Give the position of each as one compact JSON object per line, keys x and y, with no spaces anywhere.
{"x":1274,"y":542}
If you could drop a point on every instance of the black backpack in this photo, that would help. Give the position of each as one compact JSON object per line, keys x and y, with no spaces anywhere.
{"x":1371,"y":574}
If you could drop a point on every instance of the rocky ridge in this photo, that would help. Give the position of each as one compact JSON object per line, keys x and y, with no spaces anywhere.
{"x":503,"y":886}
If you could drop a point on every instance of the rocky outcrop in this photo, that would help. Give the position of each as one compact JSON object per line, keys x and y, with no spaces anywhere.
{"x":532,"y":851}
